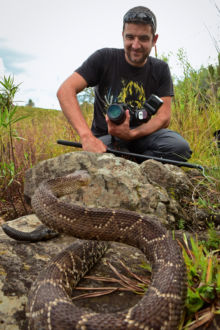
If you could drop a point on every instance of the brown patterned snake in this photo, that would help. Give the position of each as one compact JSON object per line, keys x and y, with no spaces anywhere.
{"x":50,"y":306}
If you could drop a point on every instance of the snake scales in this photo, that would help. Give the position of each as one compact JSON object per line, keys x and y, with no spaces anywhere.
{"x":49,"y":303}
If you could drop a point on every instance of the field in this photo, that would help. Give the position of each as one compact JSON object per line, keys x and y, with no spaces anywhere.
{"x":41,"y":128}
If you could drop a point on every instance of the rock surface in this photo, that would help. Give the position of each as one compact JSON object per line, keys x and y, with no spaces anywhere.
{"x":151,"y":188}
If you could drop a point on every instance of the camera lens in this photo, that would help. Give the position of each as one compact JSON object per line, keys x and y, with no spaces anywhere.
{"x":116,"y":113}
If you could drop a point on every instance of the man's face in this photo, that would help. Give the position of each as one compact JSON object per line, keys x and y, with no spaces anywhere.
{"x":138,"y":42}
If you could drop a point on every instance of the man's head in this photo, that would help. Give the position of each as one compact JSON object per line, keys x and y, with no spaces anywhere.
{"x":139,"y":35}
{"x":141,"y":15}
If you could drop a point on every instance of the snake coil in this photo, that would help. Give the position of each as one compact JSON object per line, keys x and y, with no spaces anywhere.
{"x":49,"y":304}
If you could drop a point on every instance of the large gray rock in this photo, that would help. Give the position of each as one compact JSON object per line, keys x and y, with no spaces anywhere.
{"x":149,"y":188}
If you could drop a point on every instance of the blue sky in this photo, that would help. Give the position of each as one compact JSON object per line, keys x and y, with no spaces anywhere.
{"x":43,"y":41}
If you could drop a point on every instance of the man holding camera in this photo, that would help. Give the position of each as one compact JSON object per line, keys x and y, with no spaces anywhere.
{"x":126,"y":78}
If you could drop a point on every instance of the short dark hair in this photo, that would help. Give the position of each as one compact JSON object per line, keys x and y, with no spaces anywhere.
{"x":141,"y":15}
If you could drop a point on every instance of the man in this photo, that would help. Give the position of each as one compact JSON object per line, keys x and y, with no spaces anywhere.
{"x":126,"y":76}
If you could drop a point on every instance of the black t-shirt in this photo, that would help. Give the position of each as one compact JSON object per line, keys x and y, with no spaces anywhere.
{"x":115,"y":80}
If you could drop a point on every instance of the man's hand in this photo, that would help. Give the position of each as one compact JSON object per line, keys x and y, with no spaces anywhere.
{"x":92,"y":144}
{"x":67,"y":95}
{"x":121,"y":131}
{"x":160,"y":120}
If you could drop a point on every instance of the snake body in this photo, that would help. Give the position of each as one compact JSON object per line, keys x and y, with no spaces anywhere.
{"x":49,"y":304}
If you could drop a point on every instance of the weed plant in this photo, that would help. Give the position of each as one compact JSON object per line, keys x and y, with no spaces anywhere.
{"x":203,"y":280}
{"x":27,"y":136}
{"x":9,"y":117}
{"x":196,"y":112}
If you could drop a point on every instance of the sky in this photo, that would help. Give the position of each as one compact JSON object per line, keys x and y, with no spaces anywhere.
{"x":42,"y":42}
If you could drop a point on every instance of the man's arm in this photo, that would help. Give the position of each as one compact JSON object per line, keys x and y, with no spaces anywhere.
{"x":160,"y":120}
{"x":71,"y":109}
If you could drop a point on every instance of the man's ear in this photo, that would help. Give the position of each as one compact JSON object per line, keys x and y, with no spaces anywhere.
{"x":155,"y":39}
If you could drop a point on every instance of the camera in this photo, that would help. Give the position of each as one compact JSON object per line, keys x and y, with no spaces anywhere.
{"x":116,"y":111}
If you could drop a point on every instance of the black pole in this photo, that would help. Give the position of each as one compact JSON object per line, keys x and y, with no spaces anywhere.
{"x":138,"y":156}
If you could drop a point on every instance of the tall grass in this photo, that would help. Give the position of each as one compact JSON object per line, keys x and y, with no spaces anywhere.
{"x":34,"y":139}
{"x":196,"y":112}
{"x":198,"y":127}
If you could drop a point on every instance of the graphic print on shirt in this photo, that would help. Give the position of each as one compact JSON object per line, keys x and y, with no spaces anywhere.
{"x":132,"y":93}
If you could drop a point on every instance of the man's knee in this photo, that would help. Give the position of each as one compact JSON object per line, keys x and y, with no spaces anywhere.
{"x":106,"y":139}
{"x":166,"y":144}
{"x":181,"y":147}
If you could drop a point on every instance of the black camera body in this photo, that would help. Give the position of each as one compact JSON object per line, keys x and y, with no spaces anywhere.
{"x":116,"y":111}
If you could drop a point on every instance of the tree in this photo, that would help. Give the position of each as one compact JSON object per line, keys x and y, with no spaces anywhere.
{"x":30,"y":103}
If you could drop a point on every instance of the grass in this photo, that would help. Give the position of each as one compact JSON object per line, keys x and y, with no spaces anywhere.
{"x":37,"y":134}
{"x":203,"y":282}
{"x":34,"y":139}
{"x":196,"y":111}
{"x":40,"y":131}
{"x":197,"y":128}
{"x":49,"y":125}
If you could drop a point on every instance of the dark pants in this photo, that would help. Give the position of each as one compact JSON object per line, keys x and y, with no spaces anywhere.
{"x":163,"y":144}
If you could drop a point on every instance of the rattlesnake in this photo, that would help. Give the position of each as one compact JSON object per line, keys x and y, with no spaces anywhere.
{"x":49,"y":303}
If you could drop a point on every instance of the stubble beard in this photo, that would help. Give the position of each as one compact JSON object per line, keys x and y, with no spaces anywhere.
{"x":137,"y":61}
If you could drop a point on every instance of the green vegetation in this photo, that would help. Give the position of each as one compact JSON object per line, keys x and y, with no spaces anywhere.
{"x":27,"y":136}
{"x":196,"y":110}
{"x":213,"y":239}
{"x":203,"y":276}
{"x":9,"y":117}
